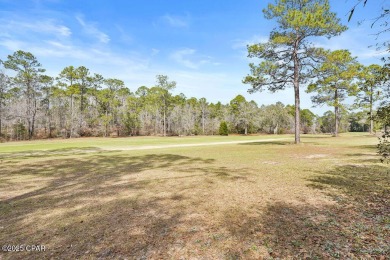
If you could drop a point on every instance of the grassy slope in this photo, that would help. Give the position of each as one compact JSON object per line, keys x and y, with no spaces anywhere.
{"x":325,"y":198}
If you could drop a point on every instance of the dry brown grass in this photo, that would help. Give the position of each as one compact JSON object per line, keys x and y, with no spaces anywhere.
{"x":326,"y":198}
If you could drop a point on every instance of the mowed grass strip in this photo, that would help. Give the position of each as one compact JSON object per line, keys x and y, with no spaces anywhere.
{"x":326,"y":198}
{"x":95,"y":143}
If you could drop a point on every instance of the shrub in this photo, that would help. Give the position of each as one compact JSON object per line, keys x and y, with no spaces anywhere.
{"x":384,"y":147}
{"x":223,"y":129}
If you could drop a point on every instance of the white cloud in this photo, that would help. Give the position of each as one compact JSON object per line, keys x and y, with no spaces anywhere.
{"x":50,"y":42}
{"x":55,"y":55}
{"x":242,"y":43}
{"x":357,"y":41}
{"x":188,"y":58}
{"x":91,"y":29}
{"x":181,"y":57}
{"x":155,"y":52}
{"x":18,"y":25}
{"x":124,"y":36}
{"x":175,"y":21}
{"x":12,"y":45}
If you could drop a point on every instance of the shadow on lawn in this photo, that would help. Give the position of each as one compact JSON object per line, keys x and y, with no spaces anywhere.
{"x":372,"y":148}
{"x":95,"y":206}
{"x":363,"y":192}
{"x":267,"y":143}
{"x":20,"y":156}
{"x":91,"y":173}
{"x":361,"y":183}
{"x":316,"y":136}
{"x":363,"y":158}
{"x":356,"y":226}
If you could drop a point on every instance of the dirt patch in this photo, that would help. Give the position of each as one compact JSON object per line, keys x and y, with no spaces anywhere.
{"x":270,"y":162}
{"x":315,"y":156}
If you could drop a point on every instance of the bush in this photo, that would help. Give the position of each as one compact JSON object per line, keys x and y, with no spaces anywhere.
{"x":223,"y":129}
{"x":19,"y":131}
{"x":384,"y":147}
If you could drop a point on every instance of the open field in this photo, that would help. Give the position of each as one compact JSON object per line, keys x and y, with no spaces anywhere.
{"x":99,"y":198}
{"x":97,"y":143}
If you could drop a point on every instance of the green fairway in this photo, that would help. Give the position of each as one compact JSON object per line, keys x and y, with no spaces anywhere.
{"x":102,"y":198}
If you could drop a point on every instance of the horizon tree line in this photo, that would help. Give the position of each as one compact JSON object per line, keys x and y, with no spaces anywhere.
{"x":80,"y":103}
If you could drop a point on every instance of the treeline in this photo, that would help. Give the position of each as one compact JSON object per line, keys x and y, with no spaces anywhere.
{"x":78,"y":103}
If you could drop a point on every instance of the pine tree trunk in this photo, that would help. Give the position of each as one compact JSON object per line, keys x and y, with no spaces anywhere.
{"x":49,"y":120}
{"x":164,"y":122}
{"x":28,"y":112}
{"x":29,"y":128}
{"x":297,"y":116}
{"x":34,"y":113}
{"x":0,"y":117}
{"x":71,"y":116}
{"x":32,"y":128}
{"x":371,"y":117}
{"x":336,"y":114}
{"x":296,"y":94}
{"x":106,"y":125}
{"x":203,"y":121}
{"x":276,"y":129}
{"x":371,"y":123}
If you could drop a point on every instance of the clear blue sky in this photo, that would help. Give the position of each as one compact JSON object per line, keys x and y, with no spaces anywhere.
{"x":198,"y":43}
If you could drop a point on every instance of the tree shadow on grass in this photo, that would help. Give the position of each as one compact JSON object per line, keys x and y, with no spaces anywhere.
{"x":363,"y":158}
{"x":372,"y":148}
{"x":303,"y":232}
{"x":365,"y":191}
{"x":359,"y":154}
{"x":361,"y":183}
{"x":355,"y":226}
{"x":267,"y":143}
{"x":315,"y":136}
{"x":97,"y":171}
{"x":324,"y":232}
{"x":20,"y":156}
{"x":107,"y":206}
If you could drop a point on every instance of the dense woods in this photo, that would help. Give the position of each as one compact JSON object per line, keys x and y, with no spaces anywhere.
{"x":79,"y":103}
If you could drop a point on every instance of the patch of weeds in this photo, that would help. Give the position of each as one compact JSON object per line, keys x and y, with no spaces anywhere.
{"x":254,"y":248}
{"x":217,"y":237}
{"x":193,"y":230}
{"x":309,"y":224}
{"x":296,"y":243}
{"x":232,"y":255}
{"x":336,"y":254}
{"x":377,"y":251}
{"x":359,"y":228}
{"x":329,"y":246}
{"x":332,"y":222}
{"x":206,"y":244}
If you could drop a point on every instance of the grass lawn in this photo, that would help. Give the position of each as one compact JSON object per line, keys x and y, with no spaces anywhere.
{"x":97,"y":198}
